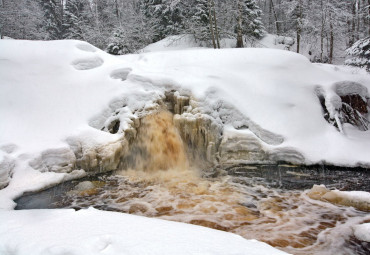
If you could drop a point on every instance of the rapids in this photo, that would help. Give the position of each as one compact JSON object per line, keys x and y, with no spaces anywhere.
{"x":160,"y":181}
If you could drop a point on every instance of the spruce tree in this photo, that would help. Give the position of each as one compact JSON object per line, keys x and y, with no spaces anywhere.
{"x":252,"y":25}
{"x":200,"y":21}
{"x":164,"y":17}
{"x":52,"y":19}
{"x":360,"y":51}
{"x":73,"y":19}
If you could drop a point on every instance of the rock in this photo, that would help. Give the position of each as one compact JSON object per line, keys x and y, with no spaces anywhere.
{"x":6,"y":170}
{"x":241,"y":147}
{"x":100,"y":157}
{"x":138,"y":208}
{"x":176,"y":103}
{"x":201,"y":135}
{"x":84,"y":186}
{"x":358,"y":199}
{"x":61,"y":160}
{"x":286,"y":154}
{"x":348,"y":104}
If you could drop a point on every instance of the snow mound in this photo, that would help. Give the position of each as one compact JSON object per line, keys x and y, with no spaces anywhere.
{"x":187,"y":41}
{"x":86,"y":47}
{"x":88,"y":63}
{"x":79,"y":232}
{"x":175,"y":42}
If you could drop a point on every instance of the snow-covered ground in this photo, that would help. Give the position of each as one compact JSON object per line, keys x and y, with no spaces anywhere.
{"x":90,"y":231}
{"x":56,"y":96}
{"x":186,"y":42}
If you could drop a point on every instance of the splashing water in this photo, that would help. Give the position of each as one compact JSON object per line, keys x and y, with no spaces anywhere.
{"x":158,"y":145}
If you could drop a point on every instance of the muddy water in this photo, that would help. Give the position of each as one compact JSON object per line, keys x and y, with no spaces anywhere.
{"x":267,"y":203}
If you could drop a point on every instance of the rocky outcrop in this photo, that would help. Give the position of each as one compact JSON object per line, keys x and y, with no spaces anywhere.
{"x":201,"y":126}
{"x":103,"y":158}
{"x":244,"y":147}
{"x":61,"y":160}
{"x":241,"y":147}
{"x":202,"y":136}
{"x":348,"y":104}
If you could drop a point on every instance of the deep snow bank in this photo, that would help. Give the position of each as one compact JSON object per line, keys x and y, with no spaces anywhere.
{"x":96,"y":232}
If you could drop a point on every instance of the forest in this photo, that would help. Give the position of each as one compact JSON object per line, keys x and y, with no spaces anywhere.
{"x":326,"y":28}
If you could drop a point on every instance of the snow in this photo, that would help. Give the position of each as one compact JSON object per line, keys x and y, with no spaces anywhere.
{"x":356,"y":199}
{"x":57,"y":96}
{"x":92,"y":232}
{"x":275,"y":89}
{"x":186,"y":42}
{"x":362,"y":232}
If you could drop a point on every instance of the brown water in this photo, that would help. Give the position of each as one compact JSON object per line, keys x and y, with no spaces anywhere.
{"x":161,"y":184}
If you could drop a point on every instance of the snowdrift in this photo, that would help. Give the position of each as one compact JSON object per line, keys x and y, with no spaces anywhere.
{"x":92,"y":232}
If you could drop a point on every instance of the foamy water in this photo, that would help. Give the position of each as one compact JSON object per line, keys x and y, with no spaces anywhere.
{"x":161,"y":184}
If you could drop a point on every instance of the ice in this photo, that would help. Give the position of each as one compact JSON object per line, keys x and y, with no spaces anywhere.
{"x":85,"y":185}
{"x":357,"y":199}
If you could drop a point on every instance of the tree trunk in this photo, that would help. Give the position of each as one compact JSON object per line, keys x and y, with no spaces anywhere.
{"x":275,"y":16}
{"x":353,"y":31}
{"x":211,"y":24}
{"x":331,"y":39}
{"x":239,"y":36}
{"x":367,"y":13}
{"x":358,"y":21}
{"x":216,"y":28}
{"x":368,"y":17}
{"x":322,"y":31}
{"x":299,"y":29}
{"x":116,"y":8}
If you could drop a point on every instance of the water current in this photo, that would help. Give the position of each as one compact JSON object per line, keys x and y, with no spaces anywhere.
{"x":267,"y":203}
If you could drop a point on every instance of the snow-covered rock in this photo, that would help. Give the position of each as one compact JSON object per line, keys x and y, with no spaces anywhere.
{"x":6,"y":169}
{"x":357,"y":199}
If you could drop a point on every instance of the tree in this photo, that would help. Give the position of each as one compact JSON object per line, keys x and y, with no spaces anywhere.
{"x":21,"y":19}
{"x":73,"y":19}
{"x":200,"y":21}
{"x":164,"y":17}
{"x":360,"y":51}
{"x":248,"y":21}
{"x":52,"y":19}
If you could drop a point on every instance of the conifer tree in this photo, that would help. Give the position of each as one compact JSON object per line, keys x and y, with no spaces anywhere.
{"x":252,"y":24}
{"x":164,"y":17}
{"x":200,"y":21}
{"x":73,"y":19}
{"x":360,"y":51}
{"x":248,"y":21}
{"x":52,"y":19}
